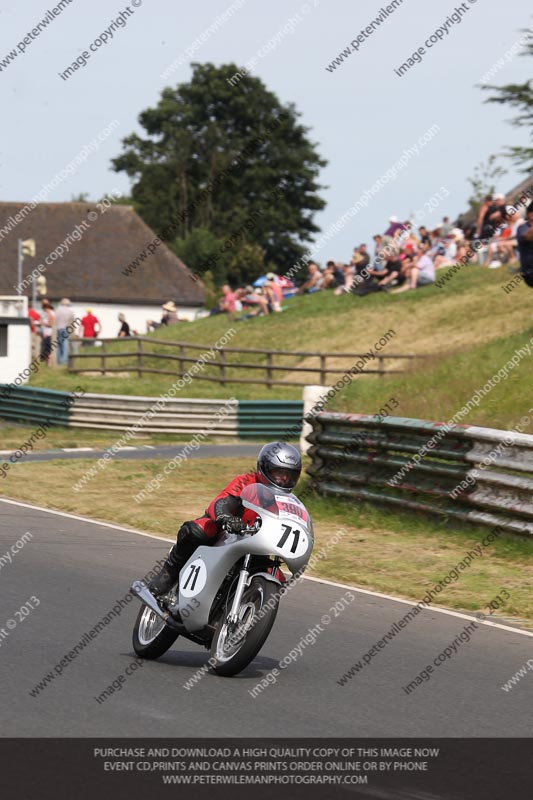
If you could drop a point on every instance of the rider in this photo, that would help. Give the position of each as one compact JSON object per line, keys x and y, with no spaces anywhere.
{"x":278,"y":465}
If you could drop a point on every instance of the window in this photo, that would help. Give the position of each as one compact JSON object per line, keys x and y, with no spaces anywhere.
{"x":3,"y":340}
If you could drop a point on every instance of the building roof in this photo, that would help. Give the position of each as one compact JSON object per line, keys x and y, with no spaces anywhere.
{"x":98,"y":244}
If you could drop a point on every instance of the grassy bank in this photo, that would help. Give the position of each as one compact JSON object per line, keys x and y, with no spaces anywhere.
{"x":468,"y":330}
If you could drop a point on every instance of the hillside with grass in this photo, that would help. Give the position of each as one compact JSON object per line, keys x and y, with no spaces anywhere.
{"x":466,"y":330}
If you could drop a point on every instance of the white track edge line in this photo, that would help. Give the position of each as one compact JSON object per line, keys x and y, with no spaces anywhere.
{"x":449,"y":612}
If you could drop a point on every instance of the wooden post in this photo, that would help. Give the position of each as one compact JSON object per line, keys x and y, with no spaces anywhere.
{"x":222,"y":356}
{"x":140,"y":358}
{"x":103,"y":358}
{"x":269,"y":370}
{"x":323,"y":370}
{"x":180,"y":368}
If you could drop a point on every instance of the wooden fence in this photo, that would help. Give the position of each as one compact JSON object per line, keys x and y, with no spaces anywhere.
{"x":108,"y":357}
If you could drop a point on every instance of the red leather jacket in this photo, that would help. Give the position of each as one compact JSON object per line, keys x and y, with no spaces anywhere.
{"x":228,"y":502}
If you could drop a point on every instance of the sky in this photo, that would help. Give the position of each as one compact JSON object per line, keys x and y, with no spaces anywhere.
{"x":362,"y":115}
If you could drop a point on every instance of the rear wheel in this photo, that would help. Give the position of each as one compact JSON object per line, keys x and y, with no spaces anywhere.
{"x":151,"y":636}
{"x":235,"y":645}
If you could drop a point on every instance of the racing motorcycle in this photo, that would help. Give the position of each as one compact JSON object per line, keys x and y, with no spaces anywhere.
{"x":227,"y":595}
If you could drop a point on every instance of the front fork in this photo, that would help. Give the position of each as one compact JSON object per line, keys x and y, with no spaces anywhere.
{"x":233,"y":616}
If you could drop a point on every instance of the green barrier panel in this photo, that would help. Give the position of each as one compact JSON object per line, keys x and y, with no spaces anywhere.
{"x":28,"y":404}
{"x":269,"y":419}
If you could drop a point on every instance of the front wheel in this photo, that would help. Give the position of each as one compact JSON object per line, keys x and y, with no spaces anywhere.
{"x":151,"y":636}
{"x":234,"y":646}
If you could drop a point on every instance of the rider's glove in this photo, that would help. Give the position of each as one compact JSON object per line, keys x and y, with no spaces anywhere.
{"x":230,"y":523}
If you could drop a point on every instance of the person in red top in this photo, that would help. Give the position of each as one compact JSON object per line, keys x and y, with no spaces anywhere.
{"x":35,"y":322}
{"x":278,"y":465}
{"x":88,"y":324}
{"x":34,"y":316}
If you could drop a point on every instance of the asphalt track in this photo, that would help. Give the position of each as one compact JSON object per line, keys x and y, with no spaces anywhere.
{"x":143,"y":451}
{"x":79,"y":569}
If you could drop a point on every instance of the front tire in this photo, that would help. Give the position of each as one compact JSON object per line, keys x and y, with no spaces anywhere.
{"x":234,"y":647}
{"x":151,"y":636}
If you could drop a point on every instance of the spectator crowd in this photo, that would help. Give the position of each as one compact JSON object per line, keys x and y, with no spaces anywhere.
{"x":402,"y":258}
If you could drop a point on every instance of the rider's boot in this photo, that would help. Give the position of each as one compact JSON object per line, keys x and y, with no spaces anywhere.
{"x":190,"y":536}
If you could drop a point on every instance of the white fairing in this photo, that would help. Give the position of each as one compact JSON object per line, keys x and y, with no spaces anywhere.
{"x":286,"y":532}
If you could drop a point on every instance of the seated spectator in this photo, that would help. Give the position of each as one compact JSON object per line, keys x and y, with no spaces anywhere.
{"x":169,"y":317}
{"x":252,"y":301}
{"x":337,"y":271}
{"x":349,"y":272}
{"x":273,"y":294}
{"x":419,"y":271}
{"x":424,"y":236}
{"x":393,"y":268}
{"x":228,"y":302}
{"x":410,"y":242}
{"x":313,"y":282}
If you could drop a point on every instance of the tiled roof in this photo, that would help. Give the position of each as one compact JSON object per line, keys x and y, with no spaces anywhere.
{"x":91,"y":270}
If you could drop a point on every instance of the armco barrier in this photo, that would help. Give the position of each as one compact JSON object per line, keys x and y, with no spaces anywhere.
{"x":477,"y":474}
{"x":245,"y":419}
{"x":25,"y":404}
{"x":120,"y":412}
{"x":270,"y":419}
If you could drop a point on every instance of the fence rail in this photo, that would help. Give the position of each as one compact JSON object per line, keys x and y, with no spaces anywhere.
{"x":481,"y":475}
{"x":143,"y":360}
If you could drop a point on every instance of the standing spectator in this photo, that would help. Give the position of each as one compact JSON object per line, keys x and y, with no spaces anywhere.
{"x":445,"y":228}
{"x":47,"y":325}
{"x":494,"y":215}
{"x":124,"y":328}
{"x":89,"y":325}
{"x":64,"y":317}
{"x":362,"y":251}
{"x":394,"y":227}
{"x":35,"y":318}
{"x":484,"y":207}
{"x":524,"y":237}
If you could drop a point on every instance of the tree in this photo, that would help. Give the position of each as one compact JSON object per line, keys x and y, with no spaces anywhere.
{"x":520,"y":96}
{"x":483,"y":181}
{"x":229,"y":160}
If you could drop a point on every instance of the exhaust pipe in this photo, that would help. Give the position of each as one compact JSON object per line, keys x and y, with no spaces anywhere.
{"x":145,"y":596}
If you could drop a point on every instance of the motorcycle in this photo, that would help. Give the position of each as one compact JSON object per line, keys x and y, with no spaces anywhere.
{"x":227,"y":595}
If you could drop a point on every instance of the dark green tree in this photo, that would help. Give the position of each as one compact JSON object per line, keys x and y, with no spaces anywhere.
{"x":518,"y":96}
{"x":227,"y":159}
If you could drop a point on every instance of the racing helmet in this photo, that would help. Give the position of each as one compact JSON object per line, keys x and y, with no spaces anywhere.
{"x":279,"y":464}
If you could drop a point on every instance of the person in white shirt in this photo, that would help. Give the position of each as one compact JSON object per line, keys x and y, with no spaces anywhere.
{"x":420,"y":273}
